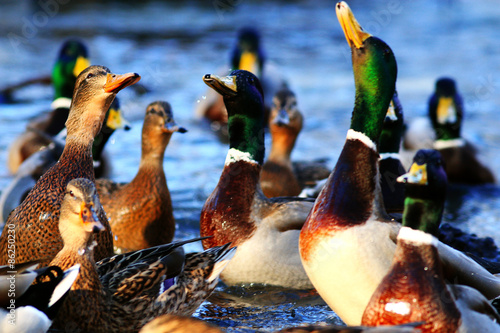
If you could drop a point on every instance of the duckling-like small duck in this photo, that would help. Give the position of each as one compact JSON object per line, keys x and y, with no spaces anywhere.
{"x":265,"y":230}
{"x":247,"y":54}
{"x":348,"y":241}
{"x":278,"y":178}
{"x":446,"y":115}
{"x":124,"y":292}
{"x":414,"y":290}
{"x":35,"y":220}
{"x":33,"y":307}
{"x":390,"y":166}
{"x":140,"y":212}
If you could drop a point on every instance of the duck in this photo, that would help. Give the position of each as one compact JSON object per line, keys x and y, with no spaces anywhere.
{"x":348,"y":241}
{"x":72,"y":59}
{"x":35,"y":220}
{"x":281,"y":177}
{"x":247,"y":54}
{"x":446,"y":113}
{"x":34,"y":306}
{"x":265,"y":230}
{"x":278,"y":178}
{"x":390,"y":166}
{"x":122,"y":293}
{"x":140,"y":212}
{"x":414,"y":289}
{"x":178,"y":324}
{"x":34,"y":166}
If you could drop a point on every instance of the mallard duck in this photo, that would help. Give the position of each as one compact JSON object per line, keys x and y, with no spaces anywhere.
{"x":178,"y":324}
{"x":280,"y":176}
{"x":35,"y":220}
{"x":348,"y":242}
{"x":446,"y":114}
{"x":140,"y":212}
{"x":39,"y":162}
{"x":248,"y":55}
{"x":33,"y":307}
{"x":414,"y":290}
{"x":265,"y":230}
{"x":390,"y":166}
{"x":124,"y":292}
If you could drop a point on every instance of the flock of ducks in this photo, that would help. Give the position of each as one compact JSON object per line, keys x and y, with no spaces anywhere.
{"x":365,"y":239}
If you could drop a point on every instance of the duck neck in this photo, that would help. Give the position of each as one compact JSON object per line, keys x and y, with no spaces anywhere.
{"x":283,"y":142}
{"x":246,"y":136}
{"x":423,"y":214}
{"x":153,"y":152}
{"x":100,"y":141}
{"x":353,"y":193}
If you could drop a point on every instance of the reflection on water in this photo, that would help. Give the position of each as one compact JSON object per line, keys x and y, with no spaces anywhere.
{"x":173,"y":44}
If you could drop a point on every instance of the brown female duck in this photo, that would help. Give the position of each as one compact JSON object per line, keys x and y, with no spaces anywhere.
{"x":35,"y":220}
{"x":124,"y":292}
{"x":140,"y":212}
{"x":278,"y":178}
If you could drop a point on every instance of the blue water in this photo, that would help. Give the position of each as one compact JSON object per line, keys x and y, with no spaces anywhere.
{"x":173,"y":44}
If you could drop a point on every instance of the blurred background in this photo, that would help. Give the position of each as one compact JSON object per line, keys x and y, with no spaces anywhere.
{"x":172,"y":44}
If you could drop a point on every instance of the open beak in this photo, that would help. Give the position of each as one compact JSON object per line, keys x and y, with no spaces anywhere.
{"x":353,"y":32}
{"x":416,"y":175}
{"x":80,"y":64}
{"x":116,"y":120}
{"x":115,"y":82}
{"x":224,"y":85}
{"x":89,"y":219}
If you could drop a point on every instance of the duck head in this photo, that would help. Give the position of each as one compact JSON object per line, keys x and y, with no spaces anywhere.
{"x":375,"y":72}
{"x":244,"y":100}
{"x":159,"y":125}
{"x":79,"y":208}
{"x":247,"y":54}
{"x":285,"y":121}
{"x":95,"y":90}
{"x":71,"y":61}
{"x":446,"y":109}
{"x":425,"y":190}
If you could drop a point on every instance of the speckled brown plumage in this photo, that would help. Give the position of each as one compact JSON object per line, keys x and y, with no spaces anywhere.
{"x":36,"y":219}
{"x":140,"y":212}
{"x":121,"y":293}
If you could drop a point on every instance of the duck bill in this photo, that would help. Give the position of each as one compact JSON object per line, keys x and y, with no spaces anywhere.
{"x":282,"y":118}
{"x":116,"y":120}
{"x":248,"y":62}
{"x":353,"y":31}
{"x":80,"y":64}
{"x":391,"y":112}
{"x":416,"y":175}
{"x":224,"y":85}
{"x":89,"y":219}
{"x":172,"y":126}
{"x":115,"y":82}
{"x":445,"y":111}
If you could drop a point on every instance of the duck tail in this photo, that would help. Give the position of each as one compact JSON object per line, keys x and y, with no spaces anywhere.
{"x":223,"y":255}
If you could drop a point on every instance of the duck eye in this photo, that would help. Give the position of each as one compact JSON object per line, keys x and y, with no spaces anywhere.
{"x":90,"y":75}
{"x":251,"y":80}
{"x":71,"y":194}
